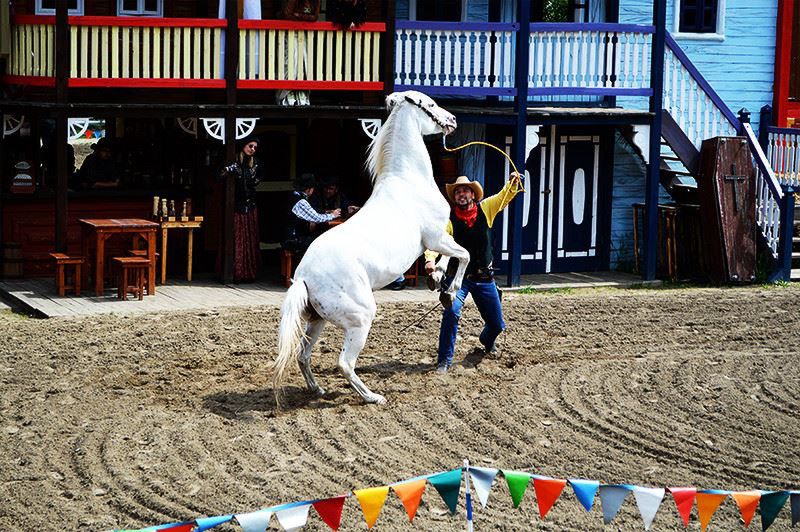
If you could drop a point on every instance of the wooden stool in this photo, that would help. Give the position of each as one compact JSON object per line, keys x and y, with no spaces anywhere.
{"x":62,"y":261}
{"x":143,"y":253}
{"x":286,"y":267}
{"x":133,"y":269}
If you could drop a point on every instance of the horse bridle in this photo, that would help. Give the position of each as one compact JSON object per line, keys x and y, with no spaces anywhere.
{"x":427,"y":112}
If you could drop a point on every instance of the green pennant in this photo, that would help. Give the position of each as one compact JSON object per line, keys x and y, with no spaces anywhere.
{"x":448,"y":484}
{"x":517,"y":484}
{"x":770,"y":505}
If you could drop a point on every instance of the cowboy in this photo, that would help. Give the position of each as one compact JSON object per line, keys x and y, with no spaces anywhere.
{"x":303,"y":217}
{"x":99,"y":169}
{"x":470,"y":224}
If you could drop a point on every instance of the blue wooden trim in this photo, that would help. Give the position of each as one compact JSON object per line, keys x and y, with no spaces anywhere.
{"x":698,"y":77}
{"x":783,"y":269}
{"x":458,"y":91}
{"x":622,"y":91}
{"x":537,"y":27}
{"x":455,"y":26}
{"x":784,"y":130}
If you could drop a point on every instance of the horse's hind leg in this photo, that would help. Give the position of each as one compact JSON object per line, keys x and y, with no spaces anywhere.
{"x":313,"y":330}
{"x":354,"y":340}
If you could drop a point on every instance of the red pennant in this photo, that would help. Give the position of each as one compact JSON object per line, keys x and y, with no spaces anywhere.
{"x":548,"y":490}
{"x":747,"y":501}
{"x":684,"y":500}
{"x":183,"y":527}
{"x":330,"y":510}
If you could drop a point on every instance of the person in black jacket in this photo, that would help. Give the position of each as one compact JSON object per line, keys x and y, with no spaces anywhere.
{"x":246,"y":171}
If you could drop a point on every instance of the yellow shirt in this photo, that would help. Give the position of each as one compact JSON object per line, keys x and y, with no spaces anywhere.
{"x":490,"y":206}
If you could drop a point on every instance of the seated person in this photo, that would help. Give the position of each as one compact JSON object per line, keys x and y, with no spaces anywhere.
{"x":303,"y":217}
{"x":329,"y":197}
{"x":98,"y":169}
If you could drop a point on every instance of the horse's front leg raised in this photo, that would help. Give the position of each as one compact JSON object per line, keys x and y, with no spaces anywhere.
{"x":448,"y":248}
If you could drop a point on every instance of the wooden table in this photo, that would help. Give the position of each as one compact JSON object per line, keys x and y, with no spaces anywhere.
{"x":190,"y":226}
{"x":101,"y":229}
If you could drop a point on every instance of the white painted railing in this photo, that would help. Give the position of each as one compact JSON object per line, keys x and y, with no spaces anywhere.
{"x":456,"y":58}
{"x":589,"y":59}
{"x":783,"y":152}
{"x":32,"y":49}
{"x":769,"y":196}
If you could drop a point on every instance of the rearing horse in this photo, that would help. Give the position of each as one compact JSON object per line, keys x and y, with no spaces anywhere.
{"x":405,"y":215}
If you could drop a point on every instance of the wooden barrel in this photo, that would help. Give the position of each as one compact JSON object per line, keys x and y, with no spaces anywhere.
{"x":10,"y":260}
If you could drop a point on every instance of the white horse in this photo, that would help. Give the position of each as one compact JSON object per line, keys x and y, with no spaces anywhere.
{"x":405,"y":214}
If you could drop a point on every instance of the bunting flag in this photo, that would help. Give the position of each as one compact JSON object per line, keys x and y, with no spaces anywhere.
{"x":585,"y":491}
{"x":548,"y":490}
{"x":205,"y":523}
{"x":482,"y":479}
{"x":330,"y":510}
{"x":294,"y":517}
{"x":611,"y":498}
{"x":448,"y":484}
{"x":372,"y":500}
{"x":254,"y":521}
{"x":795,"y":509}
{"x":747,"y":501}
{"x":649,"y":501}
{"x":771,"y":504}
{"x":684,"y":500}
{"x":707,"y":503}
{"x":410,"y":494}
{"x":517,"y":484}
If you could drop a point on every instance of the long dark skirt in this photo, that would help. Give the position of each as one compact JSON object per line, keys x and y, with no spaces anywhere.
{"x":247,"y":253}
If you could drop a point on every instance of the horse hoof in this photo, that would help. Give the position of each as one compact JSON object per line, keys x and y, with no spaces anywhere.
{"x":376,"y":399}
{"x":319,"y":392}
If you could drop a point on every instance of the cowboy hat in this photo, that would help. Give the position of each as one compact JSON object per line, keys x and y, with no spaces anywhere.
{"x":463,"y":181}
{"x":102,"y":144}
{"x":305,"y":181}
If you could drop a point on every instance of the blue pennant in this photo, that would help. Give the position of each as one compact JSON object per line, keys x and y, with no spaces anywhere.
{"x":204,"y":523}
{"x":585,"y":491}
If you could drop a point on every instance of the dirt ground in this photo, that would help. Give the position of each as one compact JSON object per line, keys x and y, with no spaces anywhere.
{"x":120,"y":422}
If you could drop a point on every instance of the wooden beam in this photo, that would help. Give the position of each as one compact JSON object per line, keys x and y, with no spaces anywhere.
{"x":679,"y":142}
{"x":388,"y":48}
{"x":783,"y":58}
{"x":231,"y":74}
{"x":61,"y":133}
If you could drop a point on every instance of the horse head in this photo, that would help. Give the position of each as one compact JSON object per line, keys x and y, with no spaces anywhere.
{"x":435,"y":120}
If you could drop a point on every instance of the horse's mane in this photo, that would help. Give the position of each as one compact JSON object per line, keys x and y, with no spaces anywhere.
{"x":379,"y":150}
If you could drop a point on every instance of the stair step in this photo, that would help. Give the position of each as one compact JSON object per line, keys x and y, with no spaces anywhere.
{"x":670,"y":158}
{"x":796,"y":239}
{"x":795,"y":276}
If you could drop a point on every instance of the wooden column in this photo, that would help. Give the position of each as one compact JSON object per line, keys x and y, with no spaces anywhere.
{"x":388,"y":49}
{"x":61,"y":132}
{"x":783,"y":58}
{"x":521,"y":107}
{"x":654,"y":167}
{"x":231,"y":74}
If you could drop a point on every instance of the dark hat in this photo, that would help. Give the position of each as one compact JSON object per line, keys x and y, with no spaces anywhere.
{"x":329,"y":180}
{"x":102,"y":144}
{"x":305,"y":181}
{"x":247,"y":140}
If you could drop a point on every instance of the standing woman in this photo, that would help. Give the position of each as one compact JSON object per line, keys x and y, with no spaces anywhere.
{"x":246,"y":171}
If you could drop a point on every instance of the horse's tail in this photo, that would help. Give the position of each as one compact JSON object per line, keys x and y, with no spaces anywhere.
{"x":290,"y":332}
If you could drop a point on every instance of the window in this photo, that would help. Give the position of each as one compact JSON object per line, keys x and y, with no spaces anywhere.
{"x":48,"y":7}
{"x":700,"y":18}
{"x":141,"y":8}
{"x":438,"y":10}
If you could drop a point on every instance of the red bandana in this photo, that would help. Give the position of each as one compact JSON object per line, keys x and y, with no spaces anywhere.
{"x":468,"y":216}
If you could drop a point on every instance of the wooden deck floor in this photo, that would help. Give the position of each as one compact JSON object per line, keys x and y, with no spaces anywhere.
{"x":38,"y":296}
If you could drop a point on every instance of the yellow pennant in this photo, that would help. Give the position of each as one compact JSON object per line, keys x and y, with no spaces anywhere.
{"x":372,"y":500}
{"x":410,"y":494}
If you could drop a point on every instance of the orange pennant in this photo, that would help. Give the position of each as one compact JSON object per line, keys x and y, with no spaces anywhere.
{"x":747,"y":502}
{"x":707,"y":504}
{"x":410,"y":493}
{"x":548,"y":490}
{"x":372,"y":500}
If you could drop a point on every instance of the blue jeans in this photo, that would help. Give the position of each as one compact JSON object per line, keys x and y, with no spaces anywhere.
{"x":487,"y":299}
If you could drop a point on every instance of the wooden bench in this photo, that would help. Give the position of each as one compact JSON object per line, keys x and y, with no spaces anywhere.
{"x":286,"y":267}
{"x":62,"y":261}
{"x":133,"y":269}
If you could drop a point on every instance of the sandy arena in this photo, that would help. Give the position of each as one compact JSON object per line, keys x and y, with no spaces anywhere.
{"x":119,"y":422}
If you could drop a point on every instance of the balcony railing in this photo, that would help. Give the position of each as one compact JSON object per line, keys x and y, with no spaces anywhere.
{"x":783,"y":152}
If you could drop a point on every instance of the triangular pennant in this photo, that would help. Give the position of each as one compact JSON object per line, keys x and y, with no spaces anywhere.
{"x":649,"y":501}
{"x":205,"y":523}
{"x":707,"y":504}
{"x":548,"y":490}
{"x":294,"y":517}
{"x":175,"y":527}
{"x":448,"y":484}
{"x":747,"y":501}
{"x":611,"y":498}
{"x":482,"y":478}
{"x":684,"y":500}
{"x":372,"y":500}
{"x":254,"y":521}
{"x":795,"y":508}
{"x":330,"y":511}
{"x":410,"y":494}
{"x":585,"y":491}
{"x":771,"y":504}
{"x":517,"y":484}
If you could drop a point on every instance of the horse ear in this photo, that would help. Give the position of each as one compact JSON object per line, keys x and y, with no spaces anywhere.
{"x":393,"y":99}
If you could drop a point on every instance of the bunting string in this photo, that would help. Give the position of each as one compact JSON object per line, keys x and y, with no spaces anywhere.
{"x":479,"y":480}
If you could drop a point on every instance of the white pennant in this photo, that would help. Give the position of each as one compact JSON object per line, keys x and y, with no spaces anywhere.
{"x":648,"y":500}
{"x":482,"y":478}
{"x":293,"y":518}
{"x":254,"y":521}
{"x":611,"y":498}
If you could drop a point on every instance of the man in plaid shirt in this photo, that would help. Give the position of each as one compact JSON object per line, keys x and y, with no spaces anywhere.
{"x":303,"y":217}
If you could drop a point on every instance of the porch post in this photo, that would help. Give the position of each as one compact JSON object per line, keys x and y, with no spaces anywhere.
{"x":654,"y":167}
{"x":521,"y":108}
{"x":388,"y":49}
{"x":61,"y":133}
{"x":231,"y":73}
{"x":784,"y":270}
